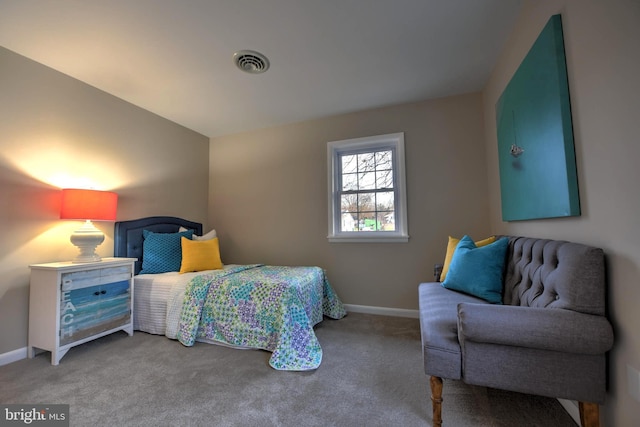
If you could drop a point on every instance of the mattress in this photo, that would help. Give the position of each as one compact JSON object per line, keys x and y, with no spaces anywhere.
{"x":153,"y":294}
{"x":158,"y":300}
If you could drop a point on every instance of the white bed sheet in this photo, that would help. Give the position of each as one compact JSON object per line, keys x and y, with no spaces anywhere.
{"x":157,"y":303}
{"x":154,"y":301}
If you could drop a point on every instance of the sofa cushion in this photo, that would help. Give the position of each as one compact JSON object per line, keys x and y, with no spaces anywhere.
{"x":478,"y":270}
{"x":545,"y":273}
{"x":452,"y":244}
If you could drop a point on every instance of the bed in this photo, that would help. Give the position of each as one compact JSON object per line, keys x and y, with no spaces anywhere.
{"x":183,"y":291}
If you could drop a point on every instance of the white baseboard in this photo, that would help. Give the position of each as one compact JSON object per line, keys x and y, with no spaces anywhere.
{"x":13,"y":356}
{"x":382,"y":311}
{"x":572,"y":408}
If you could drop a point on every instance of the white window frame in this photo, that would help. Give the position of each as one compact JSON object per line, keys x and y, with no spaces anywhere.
{"x":393,"y":141}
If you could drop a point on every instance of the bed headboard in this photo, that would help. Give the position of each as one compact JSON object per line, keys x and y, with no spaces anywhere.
{"x":127,"y":237}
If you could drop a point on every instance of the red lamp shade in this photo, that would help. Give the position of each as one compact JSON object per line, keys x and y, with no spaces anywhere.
{"x":88,"y":204}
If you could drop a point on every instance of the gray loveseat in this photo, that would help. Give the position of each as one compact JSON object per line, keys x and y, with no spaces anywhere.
{"x":549,"y":337}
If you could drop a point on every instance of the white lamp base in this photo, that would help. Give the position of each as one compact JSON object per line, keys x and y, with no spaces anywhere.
{"x":87,"y":238}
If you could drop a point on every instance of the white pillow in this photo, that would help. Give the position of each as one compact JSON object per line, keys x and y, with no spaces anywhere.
{"x":208,"y":236}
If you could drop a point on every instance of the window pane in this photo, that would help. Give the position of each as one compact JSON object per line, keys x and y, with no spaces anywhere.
{"x":366,"y":162}
{"x":386,"y":221}
{"x":367,"y":181}
{"x":348,"y":222}
{"x":366,"y":202}
{"x":349,"y":181}
{"x":349,"y":164}
{"x":384,"y":179}
{"x":367,"y":221}
{"x":383,"y":160}
{"x":349,"y":203}
{"x":384,"y":201}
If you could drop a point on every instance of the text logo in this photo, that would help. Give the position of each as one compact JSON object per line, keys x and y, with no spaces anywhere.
{"x":34,"y":415}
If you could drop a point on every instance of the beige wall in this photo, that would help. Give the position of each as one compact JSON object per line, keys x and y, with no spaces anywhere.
{"x":267,"y":190}
{"x":602,"y":44}
{"x":58,"y":132}
{"x":268,"y":196}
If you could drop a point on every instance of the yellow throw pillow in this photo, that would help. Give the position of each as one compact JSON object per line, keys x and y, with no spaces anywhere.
{"x":451,"y":248}
{"x":199,"y":255}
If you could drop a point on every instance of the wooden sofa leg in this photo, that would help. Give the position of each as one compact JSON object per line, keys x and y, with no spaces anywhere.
{"x":436,"y":400}
{"x":589,"y":414}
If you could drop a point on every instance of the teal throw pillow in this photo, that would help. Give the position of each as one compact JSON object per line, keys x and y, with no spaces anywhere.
{"x":162,"y":252}
{"x":478,"y":271}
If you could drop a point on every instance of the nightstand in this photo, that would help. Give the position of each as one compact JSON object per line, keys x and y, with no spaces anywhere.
{"x":72,"y":303}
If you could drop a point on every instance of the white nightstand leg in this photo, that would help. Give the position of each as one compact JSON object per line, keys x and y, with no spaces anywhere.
{"x":57,"y":355}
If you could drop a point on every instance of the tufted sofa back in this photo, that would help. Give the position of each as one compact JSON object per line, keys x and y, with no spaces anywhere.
{"x":555,"y":274}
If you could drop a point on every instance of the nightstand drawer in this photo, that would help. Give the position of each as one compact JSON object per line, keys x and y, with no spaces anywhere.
{"x":84,"y":279}
{"x":88,"y":311}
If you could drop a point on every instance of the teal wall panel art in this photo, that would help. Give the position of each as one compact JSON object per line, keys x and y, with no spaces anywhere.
{"x":538,"y":177}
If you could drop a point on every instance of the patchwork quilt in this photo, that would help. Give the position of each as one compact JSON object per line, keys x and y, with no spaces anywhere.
{"x":272,"y":308}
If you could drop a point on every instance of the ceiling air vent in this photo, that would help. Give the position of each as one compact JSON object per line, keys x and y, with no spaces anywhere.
{"x":250,"y":61}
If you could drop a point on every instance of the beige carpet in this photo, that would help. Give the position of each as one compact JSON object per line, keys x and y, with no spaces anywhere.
{"x":371,"y":375}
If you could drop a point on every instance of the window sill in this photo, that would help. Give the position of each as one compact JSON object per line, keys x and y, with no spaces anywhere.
{"x":368,"y":238}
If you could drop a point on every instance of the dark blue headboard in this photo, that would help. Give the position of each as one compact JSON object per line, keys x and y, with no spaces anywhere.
{"x":127,"y":238}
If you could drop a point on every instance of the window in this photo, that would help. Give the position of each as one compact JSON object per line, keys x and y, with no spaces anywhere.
{"x":367,"y":195}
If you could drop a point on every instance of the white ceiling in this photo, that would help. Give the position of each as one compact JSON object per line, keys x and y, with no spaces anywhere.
{"x":174,"y":58}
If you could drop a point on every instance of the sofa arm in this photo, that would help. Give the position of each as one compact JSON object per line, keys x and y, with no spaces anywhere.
{"x":541,"y":328}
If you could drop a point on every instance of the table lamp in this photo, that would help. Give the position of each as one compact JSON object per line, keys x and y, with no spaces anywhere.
{"x":88,"y":205}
